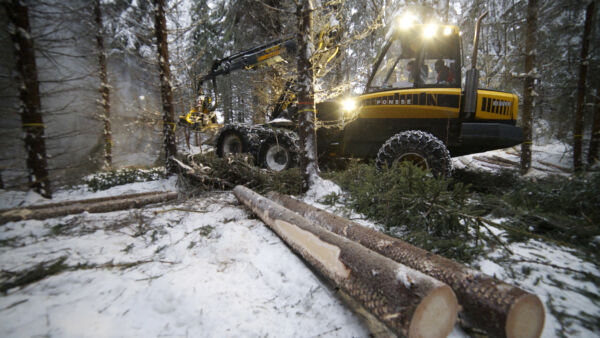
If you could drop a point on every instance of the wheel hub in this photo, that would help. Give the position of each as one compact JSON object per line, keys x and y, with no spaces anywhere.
{"x":232,"y":145}
{"x":414,"y":158}
{"x":277,"y":158}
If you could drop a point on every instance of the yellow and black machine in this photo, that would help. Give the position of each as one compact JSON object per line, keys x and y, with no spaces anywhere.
{"x":202,"y":116}
{"x":415,"y":108}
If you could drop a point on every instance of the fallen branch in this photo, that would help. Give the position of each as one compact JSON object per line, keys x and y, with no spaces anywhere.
{"x":76,"y":207}
{"x":408,"y":302}
{"x":37,"y":273}
{"x":56,"y":266}
{"x":500,"y":309}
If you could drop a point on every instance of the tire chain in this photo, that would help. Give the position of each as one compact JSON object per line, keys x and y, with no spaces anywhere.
{"x":435,"y":151}
{"x":255,"y":135}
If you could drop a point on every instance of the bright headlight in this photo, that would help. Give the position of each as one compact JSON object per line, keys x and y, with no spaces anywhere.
{"x":406,"y":21}
{"x":447,"y":30}
{"x":429,"y":31}
{"x":348,"y":104}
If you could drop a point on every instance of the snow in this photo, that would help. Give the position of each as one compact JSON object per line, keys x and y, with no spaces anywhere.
{"x":214,"y":272}
{"x":207,"y":267}
{"x":549,"y":271}
{"x":320,"y":188}
{"x":547,"y":158}
{"x":12,"y":198}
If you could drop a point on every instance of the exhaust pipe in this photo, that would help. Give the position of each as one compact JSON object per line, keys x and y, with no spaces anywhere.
{"x":472,"y":76}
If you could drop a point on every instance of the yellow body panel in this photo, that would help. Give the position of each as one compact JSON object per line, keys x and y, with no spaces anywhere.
{"x":420,"y":103}
{"x":435,"y":103}
{"x":492,"y":105}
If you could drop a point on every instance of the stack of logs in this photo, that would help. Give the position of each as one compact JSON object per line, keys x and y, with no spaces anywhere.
{"x":398,"y":288}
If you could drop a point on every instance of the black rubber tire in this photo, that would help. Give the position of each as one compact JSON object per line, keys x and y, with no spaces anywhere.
{"x":284,"y":159}
{"x":419,"y":147}
{"x":227,"y":138}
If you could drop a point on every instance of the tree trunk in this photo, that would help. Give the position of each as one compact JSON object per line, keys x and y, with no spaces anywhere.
{"x":499,"y":309}
{"x":593,"y":154}
{"x":104,"y":86}
{"x":29,"y":94}
{"x":92,"y":206}
{"x":406,"y":301}
{"x":583,"y":65}
{"x":160,"y":27}
{"x":528,"y":88}
{"x":306,"y":104}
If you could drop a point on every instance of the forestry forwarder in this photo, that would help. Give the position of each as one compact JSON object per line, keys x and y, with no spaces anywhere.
{"x":202,"y":116}
{"x":413,"y":108}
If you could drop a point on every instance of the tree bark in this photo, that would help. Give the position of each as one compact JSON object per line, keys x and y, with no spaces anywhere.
{"x":166,"y":91}
{"x":406,"y":301}
{"x":593,"y":153}
{"x":29,"y":93}
{"x":104,"y":86}
{"x":306,"y":104}
{"x":528,"y":87}
{"x":92,"y":206}
{"x":583,"y":65}
{"x":500,"y":309}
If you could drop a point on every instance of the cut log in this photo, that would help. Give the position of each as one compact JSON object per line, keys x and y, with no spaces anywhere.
{"x":505,"y":160}
{"x":406,"y":301}
{"x":107,"y":204}
{"x":492,"y":161}
{"x":552,"y":165}
{"x":88,"y":200}
{"x":500,"y":309}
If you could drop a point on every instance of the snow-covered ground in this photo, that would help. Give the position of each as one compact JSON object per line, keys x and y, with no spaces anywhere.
{"x":206,"y":267}
{"x":200,"y":268}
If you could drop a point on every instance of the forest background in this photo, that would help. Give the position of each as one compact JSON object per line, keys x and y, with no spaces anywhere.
{"x":73,"y":89}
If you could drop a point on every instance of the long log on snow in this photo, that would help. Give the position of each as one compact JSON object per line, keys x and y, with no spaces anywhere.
{"x":500,"y":309}
{"x":87,"y":200}
{"x":408,"y":302}
{"x":92,"y":206}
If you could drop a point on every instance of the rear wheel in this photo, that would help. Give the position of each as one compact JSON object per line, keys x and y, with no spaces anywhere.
{"x":276,"y":156}
{"x":230,"y":143}
{"x":420,"y":148}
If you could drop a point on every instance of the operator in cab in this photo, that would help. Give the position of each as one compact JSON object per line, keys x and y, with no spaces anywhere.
{"x":445,"y":76}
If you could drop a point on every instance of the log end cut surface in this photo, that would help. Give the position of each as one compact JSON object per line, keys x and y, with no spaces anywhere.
{"x":436,"y":315}
{"x":525,"y":318}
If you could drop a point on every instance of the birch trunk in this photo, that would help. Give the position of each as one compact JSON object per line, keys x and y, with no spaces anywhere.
{"x":500,"y":309}
{"x":166,"y":91}
{"x":583,"y":65}
{"x":406,"y":301}
{"x":528,"y":87}
{"x":306,"y":104}
{"x":104,"y":86}
{"x":29,"y":94}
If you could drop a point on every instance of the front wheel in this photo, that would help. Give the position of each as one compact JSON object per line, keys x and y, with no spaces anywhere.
{"x":276,"y":156}
{"x":420,"y":148}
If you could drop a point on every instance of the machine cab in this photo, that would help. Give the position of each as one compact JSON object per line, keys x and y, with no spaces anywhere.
{"x":418,"y":56}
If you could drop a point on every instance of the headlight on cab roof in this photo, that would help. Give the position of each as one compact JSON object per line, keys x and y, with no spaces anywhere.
{"x":348,"y":104}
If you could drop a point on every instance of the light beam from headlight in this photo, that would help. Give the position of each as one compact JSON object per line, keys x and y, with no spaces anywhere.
{"x":348,"y":105}
{"x":406,"y":21}
{"x":429,"y":31}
